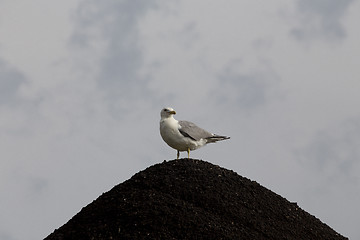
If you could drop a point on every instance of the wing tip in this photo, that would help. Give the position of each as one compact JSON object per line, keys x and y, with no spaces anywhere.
{"x":216,"y":138}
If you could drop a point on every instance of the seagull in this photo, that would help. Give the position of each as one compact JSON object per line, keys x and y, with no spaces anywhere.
{"x":184,"y":135}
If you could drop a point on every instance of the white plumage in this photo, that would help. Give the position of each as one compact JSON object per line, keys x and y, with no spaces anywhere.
{"x":184,"y":135}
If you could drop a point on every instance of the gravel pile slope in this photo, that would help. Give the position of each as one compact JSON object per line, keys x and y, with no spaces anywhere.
{"x":192,"y":199}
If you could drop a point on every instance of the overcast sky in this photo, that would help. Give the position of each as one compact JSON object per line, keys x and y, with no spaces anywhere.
{"x":82,"y":83}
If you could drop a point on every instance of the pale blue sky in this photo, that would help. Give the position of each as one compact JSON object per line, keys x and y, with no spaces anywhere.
{"x":82,"y":83}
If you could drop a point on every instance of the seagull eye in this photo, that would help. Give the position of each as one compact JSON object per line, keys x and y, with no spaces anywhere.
{"x":166,"y":110}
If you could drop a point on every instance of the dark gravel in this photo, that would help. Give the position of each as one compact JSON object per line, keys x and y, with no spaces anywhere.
{"x":192,"y":199}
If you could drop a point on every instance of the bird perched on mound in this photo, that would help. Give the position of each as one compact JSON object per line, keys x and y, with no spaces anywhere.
{"x":184,"y":135}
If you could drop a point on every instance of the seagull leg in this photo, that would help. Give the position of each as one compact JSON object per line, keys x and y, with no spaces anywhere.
{"x":178,"y":154}
{"x":188,"y":150}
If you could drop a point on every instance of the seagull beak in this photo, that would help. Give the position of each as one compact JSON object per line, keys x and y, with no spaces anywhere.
{"x":172,"y":112}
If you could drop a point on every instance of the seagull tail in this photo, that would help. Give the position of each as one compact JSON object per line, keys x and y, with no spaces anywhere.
{"x":216,"y":138}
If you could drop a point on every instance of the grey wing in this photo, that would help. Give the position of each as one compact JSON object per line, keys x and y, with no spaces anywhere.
{"x":189,"y":129}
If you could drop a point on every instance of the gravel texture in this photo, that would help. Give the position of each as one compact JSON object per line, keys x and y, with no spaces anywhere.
{"x":192,"y":199}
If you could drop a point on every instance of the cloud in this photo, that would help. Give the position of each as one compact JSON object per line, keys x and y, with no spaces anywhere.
{"x":247,"y":90}
{"x":330,"y":163}
{"x":10,"y":82}
{"x":321,"y":19}
{"x":334,"y":152}
{"x":5,"y":236}
{"x":113,"y":25}
{"x":88,"y":107}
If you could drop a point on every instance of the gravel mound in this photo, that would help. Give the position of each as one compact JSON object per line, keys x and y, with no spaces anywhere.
{"x":192,"y":199}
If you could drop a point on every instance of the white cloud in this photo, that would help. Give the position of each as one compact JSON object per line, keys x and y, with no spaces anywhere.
{"x":80,"y":105}
{"x":321,"y":19}
{"x":247,"y":91}
{"x":332,"y":158}
{"x":10,"y":83}
{"x":112,"y":25}
{"x":334,"y":152}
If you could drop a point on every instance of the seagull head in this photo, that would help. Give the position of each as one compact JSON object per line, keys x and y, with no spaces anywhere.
{"x":167,"y":112}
